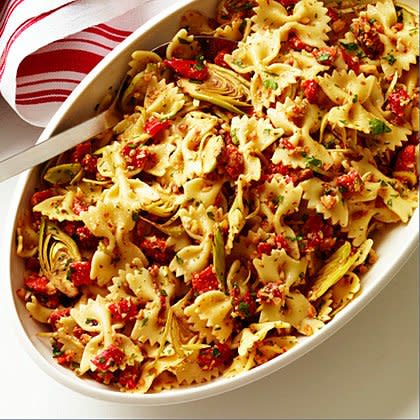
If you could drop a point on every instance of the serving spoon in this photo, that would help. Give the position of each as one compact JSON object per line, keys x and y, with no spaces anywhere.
{"x":71,"y":137}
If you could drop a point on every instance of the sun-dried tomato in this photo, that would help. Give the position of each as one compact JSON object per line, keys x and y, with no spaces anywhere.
{"x":124,"y":310}
{"x":79,"y":273}
{"x":138,"y":157}
{"x":205,"y":280}
{"x":264,"y":248}
{"x":244,"y":305}
{"x":156,"y":250}
{"x":352,"y":61}
{"x":317,"y":235}
{"x":38,"y":284}
{"x":271,"y":293}
{"x":65,"y":358}
{"x":297,"y":44}
{"x":214,"y":356}
{"x":57,"y":315}
{"x":106,"y":378}
{"x":220,"y":59}
{"x":79,"y":206}
{"x":397,"y":102}
{"x":232,"y":161}
{"x":367,"y":35}
{"x":153,"y":126}
{"x":350,"y":183}
{"x":90,"y":165}
{"x":406,"y":159}
{"x":311,"y":90}
{"x":333,"y":14}
{"x":80,"y":151}
{"x":129,"y":377}
{"x":191,"y":69}
{"x":111,"y":356}
{"x":40,"y":196}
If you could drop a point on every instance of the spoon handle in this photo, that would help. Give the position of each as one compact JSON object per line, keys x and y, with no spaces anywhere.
{"x":53,"y":146}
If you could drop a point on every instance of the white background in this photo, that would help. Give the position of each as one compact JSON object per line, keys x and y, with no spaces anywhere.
{"x":369,"y":369}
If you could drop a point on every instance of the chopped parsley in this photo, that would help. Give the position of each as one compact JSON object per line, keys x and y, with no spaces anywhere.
{"x":200,"y":62}
{"x":163,"y":292}
{"x":313,"y":162}
{"x":355,"y":99}
{"x":278,"y":200}
{"x":244,"y":308}
{"x":145,"y":320}
{"x":270,"y":84}
{"x":391,"y":59}
{"x":56,"y":351}
{"x":322,"y":58}
{"x":210,"y":215}
{"x":234,"y":136}
{"x":350,"y":46}
{"x":378,"y":127}
{"x":215,"y":352}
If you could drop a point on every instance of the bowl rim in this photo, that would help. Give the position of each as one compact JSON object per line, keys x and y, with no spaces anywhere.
{"x":200,"y":391}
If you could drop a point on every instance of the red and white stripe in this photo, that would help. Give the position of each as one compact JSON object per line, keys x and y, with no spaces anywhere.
{"x":47,"y":47}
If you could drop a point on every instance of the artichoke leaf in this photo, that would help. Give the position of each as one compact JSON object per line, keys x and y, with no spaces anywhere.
{"x":219,"y":258}
{"x":56,"y":251}
{"x":223,"y":88}
{"x":334,"y":269}
{"x":64,"y":174}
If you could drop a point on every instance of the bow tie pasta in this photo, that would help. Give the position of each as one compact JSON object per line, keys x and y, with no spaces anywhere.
{"x":233,"y":209}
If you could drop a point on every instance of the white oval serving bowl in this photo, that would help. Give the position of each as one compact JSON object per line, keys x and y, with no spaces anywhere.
{"x":393,"y":247}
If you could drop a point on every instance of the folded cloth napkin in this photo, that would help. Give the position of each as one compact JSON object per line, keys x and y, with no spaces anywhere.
{"x":47,"y":47}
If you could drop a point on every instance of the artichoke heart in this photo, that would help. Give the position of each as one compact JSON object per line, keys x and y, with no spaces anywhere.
{"x":223,"y":88}
{"x":66,"y":173}
{"x":56,"y":251}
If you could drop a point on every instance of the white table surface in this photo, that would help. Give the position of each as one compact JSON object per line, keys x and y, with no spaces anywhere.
{"x":369,"y":369}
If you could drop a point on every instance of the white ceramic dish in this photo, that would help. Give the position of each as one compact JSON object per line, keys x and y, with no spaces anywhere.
{"x":394,"y":247}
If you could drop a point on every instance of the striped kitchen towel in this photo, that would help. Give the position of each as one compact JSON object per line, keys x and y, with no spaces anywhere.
{"x":48,"y":46}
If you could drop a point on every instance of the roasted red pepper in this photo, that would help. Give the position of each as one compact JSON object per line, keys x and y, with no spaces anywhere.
{"x":214,"y":356}
{"x":79,"y":273}
{"x":311,"y":90}
{"x":205,"y":280}
{"x":38,"y":284}
{"x":153,"y":126}
{"x":406,"y":159}
{"x":138,"y":157}
{"x":232,"y":161}
{"x":156,"y":250}
{"x":192,"y":69}
{"x":352,"y":61}
{"x":124,"y":310}
{"x":56,"y":315}
{"x":108,"y":358}
{"x":40,"y":196}
{"x":397,"y":102}
{"x":129,"y":377}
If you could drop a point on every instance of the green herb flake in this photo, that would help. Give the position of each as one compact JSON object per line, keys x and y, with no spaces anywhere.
{"x":145,"y":320}
{"x":378,"y":127}
{"x":355,"y":99}
{"x":391,"y":59}
{"x":350,"y":46}
{"x":313,"y":162}
{"x":270,"y":84}
{"x":215,"y":352}
{"x":56,"y":351}
{"x":278,"y":200}
{"x":163,"y":293}
{"x":210,"y":215}
{"x":244,"y":308}
{"x":322,"y":58}
{"x":389,"y":202}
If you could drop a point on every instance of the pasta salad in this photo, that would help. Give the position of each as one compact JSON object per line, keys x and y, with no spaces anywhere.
{"x":233,"y":208}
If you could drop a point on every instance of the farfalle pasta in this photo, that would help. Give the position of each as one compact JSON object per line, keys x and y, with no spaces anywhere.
{"x":234,"y":207}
